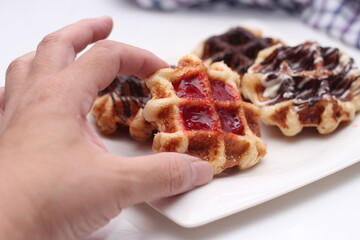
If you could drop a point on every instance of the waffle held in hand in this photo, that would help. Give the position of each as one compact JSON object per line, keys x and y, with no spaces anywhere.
{"x":121,"y":104}
{"x":199,"y":111}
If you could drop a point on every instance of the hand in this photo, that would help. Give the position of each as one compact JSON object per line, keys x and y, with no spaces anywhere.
{"x":57,"y":180}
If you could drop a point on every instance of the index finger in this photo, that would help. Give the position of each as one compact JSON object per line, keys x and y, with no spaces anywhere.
{"x":95,"y":69}
{"x":59,"y":49}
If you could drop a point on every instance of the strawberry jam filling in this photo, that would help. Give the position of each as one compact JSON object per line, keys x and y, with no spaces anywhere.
{"x":222,"y":91}
{"x":230,"y":121}
{"x":199,"y":118}
{"x":191,"y":86}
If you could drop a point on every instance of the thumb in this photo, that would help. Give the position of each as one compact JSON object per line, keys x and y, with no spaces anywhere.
{"x":161,"y":175}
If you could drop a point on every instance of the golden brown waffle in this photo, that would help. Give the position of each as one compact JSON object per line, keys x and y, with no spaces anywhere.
{"x":121,"y":104}
{"x":237,"y":47}
{"x":199,"y":111}
{"x":303,"y":86}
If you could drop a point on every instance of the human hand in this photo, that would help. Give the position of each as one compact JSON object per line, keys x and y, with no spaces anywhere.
{"x":57,"y":180}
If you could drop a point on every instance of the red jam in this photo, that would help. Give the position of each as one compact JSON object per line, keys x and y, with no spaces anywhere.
{"x":222,"y":91}
{"x":191,"y":86}
{"x":198,"y":118}
{"x":230,"y":121}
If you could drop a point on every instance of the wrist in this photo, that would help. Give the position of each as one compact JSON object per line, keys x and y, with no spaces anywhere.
{"x":19,"y":216}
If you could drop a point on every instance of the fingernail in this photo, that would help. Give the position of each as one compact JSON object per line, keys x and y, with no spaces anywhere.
{"x":107,"y":18}
{"x":202,"y":172}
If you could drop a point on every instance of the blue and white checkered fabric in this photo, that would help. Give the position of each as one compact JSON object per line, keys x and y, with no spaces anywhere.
{"x":339,"y":18}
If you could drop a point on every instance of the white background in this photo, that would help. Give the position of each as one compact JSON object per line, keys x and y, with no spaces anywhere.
{"x":326,"y":209}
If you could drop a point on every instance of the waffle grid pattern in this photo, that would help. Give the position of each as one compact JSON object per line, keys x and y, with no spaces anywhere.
{"x":237,"y":47}
{"x":199,"y":111}
{"x":121,"y":104}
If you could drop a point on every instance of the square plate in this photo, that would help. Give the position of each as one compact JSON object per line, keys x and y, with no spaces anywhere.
{"x":291,"y":162}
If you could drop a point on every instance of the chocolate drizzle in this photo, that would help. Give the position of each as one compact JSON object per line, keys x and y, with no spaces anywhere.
{"x":306,"y":74}
{"x":238,"y":48}
{"x":128,"y":94}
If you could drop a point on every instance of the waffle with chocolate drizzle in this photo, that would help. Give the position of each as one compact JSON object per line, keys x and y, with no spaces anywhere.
{"x":121,"y":104}
{"x":237,"y":47}
{"x":303,"y":86}
{"x":199,"y":111}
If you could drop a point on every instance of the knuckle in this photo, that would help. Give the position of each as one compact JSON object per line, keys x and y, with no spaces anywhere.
{"x":50,"y":39}
{"x":105,"y":44}
{"x":178,"y":177}
{"x":15,"y":66}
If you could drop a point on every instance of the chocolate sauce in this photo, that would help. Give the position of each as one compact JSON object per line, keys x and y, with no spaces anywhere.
{"x":238,"y":48}
{"x":306,"y":74}
{"x":132,"y":93}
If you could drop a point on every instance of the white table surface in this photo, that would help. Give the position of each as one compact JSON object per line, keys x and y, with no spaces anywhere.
{"x":326,"y":209}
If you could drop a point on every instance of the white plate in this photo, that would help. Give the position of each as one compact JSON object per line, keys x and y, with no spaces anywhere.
{"x":290,"y":163}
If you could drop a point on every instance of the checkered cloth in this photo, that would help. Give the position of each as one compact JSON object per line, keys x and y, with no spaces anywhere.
{"x":339,"y":18}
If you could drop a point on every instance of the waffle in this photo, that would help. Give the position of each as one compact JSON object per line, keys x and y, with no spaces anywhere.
{"x":237,"y":47}
{"x":121,"y":104}
{"x":199,"y":111}
{"x":303,"y":86}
